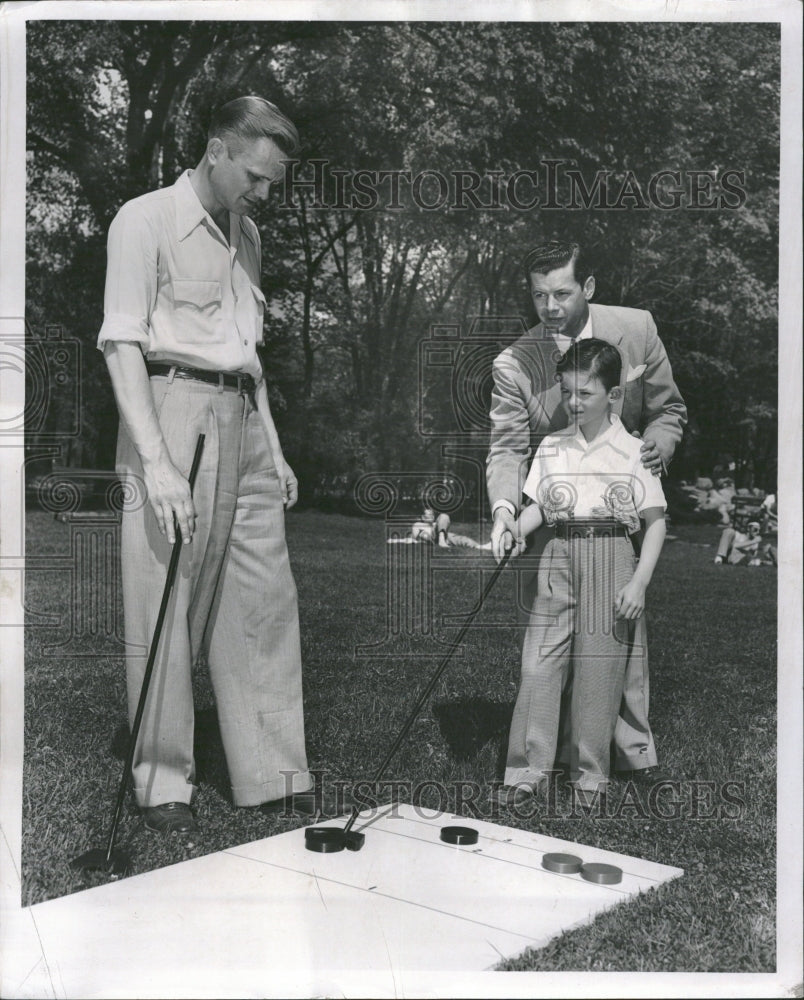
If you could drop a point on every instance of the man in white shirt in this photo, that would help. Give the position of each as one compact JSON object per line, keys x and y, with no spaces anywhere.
{"x":526,"y":405}
{"x":183,"y":315}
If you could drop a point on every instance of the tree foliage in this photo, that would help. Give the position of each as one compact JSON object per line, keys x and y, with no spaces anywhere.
{"x":117,"y":108}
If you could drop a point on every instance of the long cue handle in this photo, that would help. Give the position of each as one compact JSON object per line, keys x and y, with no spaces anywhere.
{"x":433,"y":681}
{"x":149,"y":666}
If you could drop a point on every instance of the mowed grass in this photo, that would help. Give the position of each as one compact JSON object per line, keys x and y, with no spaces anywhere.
{"x":713,"y":692}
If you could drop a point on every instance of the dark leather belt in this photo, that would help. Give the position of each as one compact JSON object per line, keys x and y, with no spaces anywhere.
{"x":590,"y":528}
{"x":229,"y":380}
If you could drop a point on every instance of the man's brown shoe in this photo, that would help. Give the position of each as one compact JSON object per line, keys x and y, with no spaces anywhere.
{"x":170,"y":817}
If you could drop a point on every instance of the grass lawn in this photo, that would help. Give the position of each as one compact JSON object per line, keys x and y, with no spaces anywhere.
{"x":713,"y":708}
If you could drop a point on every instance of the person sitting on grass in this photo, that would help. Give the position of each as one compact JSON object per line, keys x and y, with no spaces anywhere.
{"x":435,"y":530}
{"x":589,"y":484}
{"x":740,"y":547}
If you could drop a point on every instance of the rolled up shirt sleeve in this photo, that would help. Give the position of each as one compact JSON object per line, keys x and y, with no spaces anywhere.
{"x":131,"y":279}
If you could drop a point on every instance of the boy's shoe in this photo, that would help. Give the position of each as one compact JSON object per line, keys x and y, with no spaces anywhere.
{"x":170,"y":817}
{"x":511,"y":796}
{"x":718,"y":560}
{"x":645,"y":775}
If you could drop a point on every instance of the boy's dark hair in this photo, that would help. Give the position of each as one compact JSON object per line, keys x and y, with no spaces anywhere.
{"x":598,"y":358}
{"x":251,"y":118}
{"x":546,"y":257}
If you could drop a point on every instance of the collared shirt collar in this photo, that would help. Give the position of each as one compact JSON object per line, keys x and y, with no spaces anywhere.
{"x":563,"y":342}
{"x":611,"y":437}
{"x":190,"y":213}
{"x":189,"y":210}
{"x":246,"y":230}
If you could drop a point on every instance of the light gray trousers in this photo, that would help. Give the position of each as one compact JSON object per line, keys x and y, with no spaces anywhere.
{"x":234,"y":600}
{"x":576,"y":652}
{"x":634,"y":746}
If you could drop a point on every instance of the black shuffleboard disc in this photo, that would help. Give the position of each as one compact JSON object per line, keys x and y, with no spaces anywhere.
{"x":460,"y":835}
{"x":324,"y":839}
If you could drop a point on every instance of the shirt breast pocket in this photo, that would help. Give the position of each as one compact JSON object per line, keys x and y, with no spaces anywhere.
{"x":198,"y":313}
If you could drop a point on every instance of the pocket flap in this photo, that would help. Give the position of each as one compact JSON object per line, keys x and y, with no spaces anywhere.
{"x":197,"y":293}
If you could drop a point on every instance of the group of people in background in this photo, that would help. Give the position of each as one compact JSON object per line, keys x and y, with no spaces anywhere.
{"x":748,"y":517}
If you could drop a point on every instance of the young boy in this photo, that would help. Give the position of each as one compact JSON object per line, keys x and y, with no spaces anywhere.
{"x":589,"y":486}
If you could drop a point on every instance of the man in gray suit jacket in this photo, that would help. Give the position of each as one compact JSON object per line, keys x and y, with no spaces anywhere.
{"x":526,"y":405}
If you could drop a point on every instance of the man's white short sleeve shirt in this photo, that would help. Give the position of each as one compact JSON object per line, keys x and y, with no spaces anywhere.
{"x":176,"y":287}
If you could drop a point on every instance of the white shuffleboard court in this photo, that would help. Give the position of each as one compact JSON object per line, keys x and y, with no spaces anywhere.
{"x":237,"y":923}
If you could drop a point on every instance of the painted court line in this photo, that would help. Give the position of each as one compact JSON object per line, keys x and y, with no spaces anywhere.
{"x":595,"y":854}
{"x":483,"y":854}
{"x":375,"y":892}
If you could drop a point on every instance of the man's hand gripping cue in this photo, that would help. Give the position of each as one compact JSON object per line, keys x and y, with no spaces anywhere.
{"x":170,"y":498}
{"x":503,"y":534}
{"x":508,"y":533}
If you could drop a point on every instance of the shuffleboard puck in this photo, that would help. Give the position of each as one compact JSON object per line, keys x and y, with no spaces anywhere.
{"x":324,"y":839}
{"x":562,"y":864}
{"x":354,"y":840}
{"x":602,"y":874}
{"x":460,"y":835}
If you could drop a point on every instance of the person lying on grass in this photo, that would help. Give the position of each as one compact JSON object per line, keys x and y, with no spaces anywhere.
{"x":435,"y":530}
{"x":588,"y":484}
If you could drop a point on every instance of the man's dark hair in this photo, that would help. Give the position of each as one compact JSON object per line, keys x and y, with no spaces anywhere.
{"x":598,"y":358}
{"x":546,"y":257}
{"x":250,"y":118}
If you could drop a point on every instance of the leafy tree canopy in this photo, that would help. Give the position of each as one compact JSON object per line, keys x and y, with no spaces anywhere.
{"x":118,"y":108}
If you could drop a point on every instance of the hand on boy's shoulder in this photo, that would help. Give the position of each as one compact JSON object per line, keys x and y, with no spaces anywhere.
{"x":650,"y":455}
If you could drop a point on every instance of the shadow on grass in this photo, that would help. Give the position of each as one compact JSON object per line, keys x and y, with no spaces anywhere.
{"x":468,"y":724}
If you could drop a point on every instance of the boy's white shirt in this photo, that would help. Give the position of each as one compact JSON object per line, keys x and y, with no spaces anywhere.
{"x":563,"y":343}
{"x":573,"y":477}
